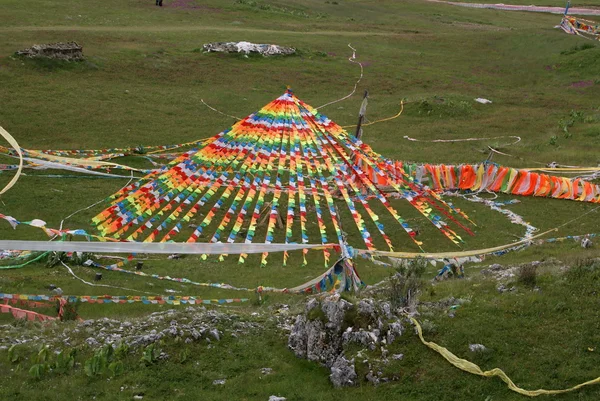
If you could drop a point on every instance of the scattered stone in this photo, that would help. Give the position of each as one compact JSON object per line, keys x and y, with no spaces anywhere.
{"x":138,"y":397}
{"x":398,"y":357}
{"x":502,"y":288}
{"x":69,"y":51}
{"x":215,"y":334}
{"x":219,"y":382}
{"x":189,"y":325}
{"x":247,"y":48}
{"x":275,"y":398}
{"x":266,"y":371}
{"x":395,"y":330}
{"x":372,"y":378}
{"x":477,"y":348}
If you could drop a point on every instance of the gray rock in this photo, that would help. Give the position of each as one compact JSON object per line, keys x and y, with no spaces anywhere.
{"x":266,"y":371}
{"x":395,"y":330}
{"x":398,"y":357}
{"x":477,"y":348}
{"x":366,"y":338}
{"x":343,"y":372}
{"x":372,"y":378}
{"x":335,"y":308}
{"x":366,"y":307}
{"x":386,"y":310}
{"x":70,"y":51}
{"x":275,"y":398}
{"x":247,"y":47}
{"x":321,"y":338}
{"x":219,"y":382}
{"x":215,"y":334}
{"x":92,"y":342}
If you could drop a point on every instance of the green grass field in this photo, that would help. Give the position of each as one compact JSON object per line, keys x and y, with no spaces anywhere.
{"x":142,"y":84}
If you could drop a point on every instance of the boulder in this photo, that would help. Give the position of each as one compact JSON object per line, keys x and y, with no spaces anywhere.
{"x":69,"y":51}
{"x":247,"y":48}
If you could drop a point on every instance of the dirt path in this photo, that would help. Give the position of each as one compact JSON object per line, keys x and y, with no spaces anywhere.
{"x":537,"y":9}
{"x":193,"y":28}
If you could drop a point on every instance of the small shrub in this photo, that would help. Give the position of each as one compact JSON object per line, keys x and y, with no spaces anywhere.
{"x":43,"y":354}
{"x":428,"y":327}
{"x":584,"y":273}
{"x":577,"y":48}
{"x":38,"y":370}
{"x":13,"y":356}
{"x":184,"y":355}
{"x":121,"y":351}
{"x":356,"y":320}
{"x":95,"y":366}
{"x":116,"y":368}
{"x":150,"y":355}
{"x":316,"y":313}
{"x":441,"y":107}
{"x":406,"y":283}
{"x":527,"y":275}
{"x":98,"y":363}
{"x":261,"y":299}
{"x":64,"y":361}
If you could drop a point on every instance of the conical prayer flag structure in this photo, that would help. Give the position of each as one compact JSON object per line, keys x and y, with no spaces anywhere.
{"x":278,"y":175}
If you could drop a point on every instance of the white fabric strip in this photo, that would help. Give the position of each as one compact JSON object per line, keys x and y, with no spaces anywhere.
{"x":151,"y":247}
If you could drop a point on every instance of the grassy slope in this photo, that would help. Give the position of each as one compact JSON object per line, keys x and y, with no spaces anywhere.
{"x":411,"y":50}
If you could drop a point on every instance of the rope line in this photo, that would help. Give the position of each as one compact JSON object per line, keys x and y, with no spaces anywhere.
{"x":352,"y":59}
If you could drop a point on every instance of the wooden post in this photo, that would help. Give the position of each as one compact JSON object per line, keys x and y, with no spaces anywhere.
{"x":361,"y":115}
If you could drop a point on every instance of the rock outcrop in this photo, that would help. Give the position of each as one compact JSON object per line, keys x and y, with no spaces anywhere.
{"x":328,"y":328}
{"x":247,"y":48}
{"x":69,"y":51}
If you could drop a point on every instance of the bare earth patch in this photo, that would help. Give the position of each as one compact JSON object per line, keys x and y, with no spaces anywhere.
{"x":582,"y":84}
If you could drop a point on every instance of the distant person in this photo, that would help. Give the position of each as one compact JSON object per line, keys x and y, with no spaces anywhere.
{"x":159,"y":2}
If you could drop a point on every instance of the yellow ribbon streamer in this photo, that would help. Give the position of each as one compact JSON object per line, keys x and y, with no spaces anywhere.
{"x":470,"y":367}
{"x":382,"y":120}
{"x":442,"y":255}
